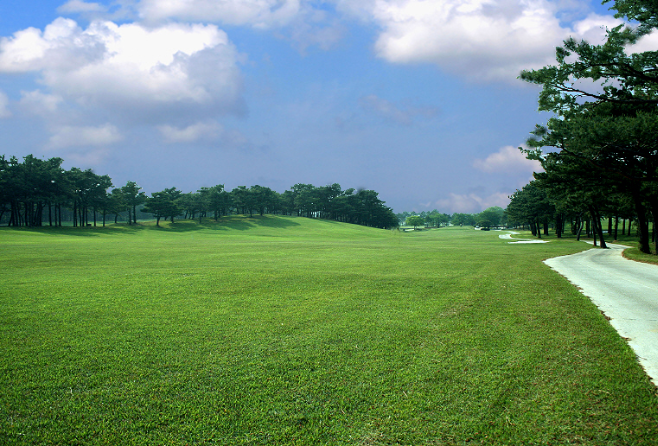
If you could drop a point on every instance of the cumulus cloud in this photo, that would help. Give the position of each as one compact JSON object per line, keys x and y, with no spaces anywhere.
{"x":78,"y":6}
{"x":256,"y":13}
{"x":472,"y":203}
{"x":483,"y":39}
{"x":93,"y":157}
{"x":39,"y":103}
{"x":4,"y":103}
{"x":646,"y":43}
{"x":507,"y":160}
{"x":400,"y":114}
{"x":304,"y":23}
{"x":141,"y":73}
{"x":201,"y":131}
{"x":81,"y":136}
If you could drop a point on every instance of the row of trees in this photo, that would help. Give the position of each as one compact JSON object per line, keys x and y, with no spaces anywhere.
{"x":493,"y":216}
{"x":362,"y":207}
{"x":428,"y":219}
{"x":36,"y":191}
{"x":599,"y":151}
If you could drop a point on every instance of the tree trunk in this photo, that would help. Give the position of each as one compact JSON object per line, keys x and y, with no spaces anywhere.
{"x":580,"y":228}
{"x":616,"y":226}
{"x":654,"y":212}
{"x":642,"y":224}
{"x":598,"y":227}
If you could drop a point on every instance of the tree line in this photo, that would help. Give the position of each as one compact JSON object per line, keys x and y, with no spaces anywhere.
{"x":37,"y":192}
{"x":491,"y":217}
{"x":599,"y":151}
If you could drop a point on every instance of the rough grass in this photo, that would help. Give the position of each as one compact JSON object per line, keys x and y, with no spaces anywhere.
{"x":282,"y":330}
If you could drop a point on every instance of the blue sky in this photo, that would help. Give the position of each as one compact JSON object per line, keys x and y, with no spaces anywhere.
{"x":416,"y":99}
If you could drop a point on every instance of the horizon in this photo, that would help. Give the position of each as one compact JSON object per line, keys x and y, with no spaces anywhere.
{"x":426,"y":111}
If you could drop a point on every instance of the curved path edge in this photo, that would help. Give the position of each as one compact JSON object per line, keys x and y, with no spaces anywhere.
{"x":624,"y":290}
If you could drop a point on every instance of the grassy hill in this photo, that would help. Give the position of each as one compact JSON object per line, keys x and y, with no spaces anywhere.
{"x":282,"y":330}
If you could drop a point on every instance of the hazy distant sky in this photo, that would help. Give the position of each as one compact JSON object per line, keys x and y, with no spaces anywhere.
{"x":416,"y":99}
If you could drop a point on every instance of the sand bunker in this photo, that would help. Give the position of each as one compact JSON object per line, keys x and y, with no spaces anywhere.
{"x":508,"y":236}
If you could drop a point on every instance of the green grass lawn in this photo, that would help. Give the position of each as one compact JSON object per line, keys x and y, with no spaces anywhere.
{"x":282,"y":330}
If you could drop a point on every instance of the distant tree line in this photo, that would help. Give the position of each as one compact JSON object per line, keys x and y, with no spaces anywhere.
{"x":491,"y":217}
{"x":602,"y":157}
{"x":37,"y":192}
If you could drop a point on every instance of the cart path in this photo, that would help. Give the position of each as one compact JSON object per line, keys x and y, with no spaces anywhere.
{"x":624,"y":290}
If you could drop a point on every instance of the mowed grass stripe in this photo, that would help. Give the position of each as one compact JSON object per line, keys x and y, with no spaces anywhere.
{"x":282,"y":330}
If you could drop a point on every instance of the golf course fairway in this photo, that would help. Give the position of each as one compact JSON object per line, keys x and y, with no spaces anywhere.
{"x":287,"y":330}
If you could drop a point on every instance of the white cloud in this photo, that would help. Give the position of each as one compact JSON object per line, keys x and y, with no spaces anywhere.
{"x":482,"y":39}
{"x":200,"y":131}
{"x":136,"y":72}
{"x":39,"y":103}
{"x":472,"y":203}
{"x":646,"y":43}
{"x":256,"y":13}
{"x":400,"y":114}
{"x":87,"y":158}
{"x":82,"y":136}
{"x":507,"y":160}
{"x":304,"y":23}
{"x":4,"y":103}
{"x":78,"y":6}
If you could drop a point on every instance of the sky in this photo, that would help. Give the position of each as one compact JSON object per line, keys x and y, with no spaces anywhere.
{"x":416,"y":99}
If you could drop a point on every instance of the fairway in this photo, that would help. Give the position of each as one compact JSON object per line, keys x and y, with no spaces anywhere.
{"x":282,"y":330}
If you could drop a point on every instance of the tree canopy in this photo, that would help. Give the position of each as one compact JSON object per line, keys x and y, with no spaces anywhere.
{"x":600,"y":144}
{"x":38,"y":190}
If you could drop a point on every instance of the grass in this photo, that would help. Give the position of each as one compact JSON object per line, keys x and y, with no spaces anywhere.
{"x":282,"y":330}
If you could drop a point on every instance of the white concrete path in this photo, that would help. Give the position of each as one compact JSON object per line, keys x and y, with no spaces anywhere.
{"x":624,"y":290}
{"x":509,"y":234}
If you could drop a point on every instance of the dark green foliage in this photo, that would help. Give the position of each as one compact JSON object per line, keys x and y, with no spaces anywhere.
{"x":164,"y":204}
{"x":29,"y":188}
{"x":603,"y":149}
{"x":415,"y":221}
{"x":530,"y":205}
{"x":492,"y":216}
{"x":133,"y":198}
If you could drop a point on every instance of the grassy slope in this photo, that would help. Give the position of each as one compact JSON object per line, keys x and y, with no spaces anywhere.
{"x":283,"y":330}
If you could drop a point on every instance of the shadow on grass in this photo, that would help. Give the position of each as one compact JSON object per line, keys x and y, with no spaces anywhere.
{"x":233,"y":222}
{"x":80,"y":231}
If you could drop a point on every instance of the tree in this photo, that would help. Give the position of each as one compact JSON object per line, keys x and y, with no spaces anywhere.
{"x":415,"y":221}
{"x":164,"y":204}
{"x":460,"y":219}
{"x":98,"y":198}
{"x":116,"y":203}
{"x":605,"y":100}
{"x":531,"y":205}
{"x":493,"y":216}
{"x":133,"y":198}
{"x":263,"y":198}
{"x":242,"y":200}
